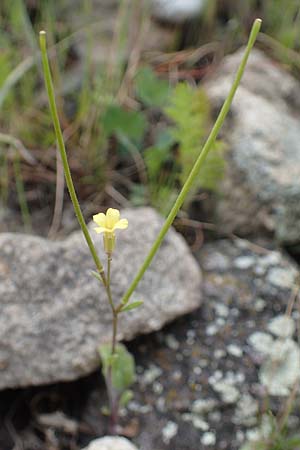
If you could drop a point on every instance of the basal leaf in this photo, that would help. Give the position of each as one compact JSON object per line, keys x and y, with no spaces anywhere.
{"x":117,"y":120}
{"x":121,"y":364}
{"x":151,"y":90}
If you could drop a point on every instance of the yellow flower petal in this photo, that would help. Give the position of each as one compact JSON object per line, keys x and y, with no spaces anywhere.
{"x":100,"y":219}
{"x":112,"y":217}
{"x":121,"y":224}
{"x":102,"y":230}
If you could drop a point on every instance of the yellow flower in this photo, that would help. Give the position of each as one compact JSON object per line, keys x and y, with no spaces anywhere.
{"x":107,"y":224}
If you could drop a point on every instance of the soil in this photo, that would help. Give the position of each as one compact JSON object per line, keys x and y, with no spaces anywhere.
{"x":175,"y":367}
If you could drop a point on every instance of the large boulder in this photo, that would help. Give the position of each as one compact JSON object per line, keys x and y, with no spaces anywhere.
{"x":54,"y":314}
{"x":261,"y":190}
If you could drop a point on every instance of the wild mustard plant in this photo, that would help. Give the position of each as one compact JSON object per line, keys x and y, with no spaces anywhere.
{"x":117,"y":363}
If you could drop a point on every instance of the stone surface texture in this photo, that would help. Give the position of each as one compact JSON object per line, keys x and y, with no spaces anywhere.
{"x":111,"y":443}
{"x":261,"y":190}
{"x":177,"y":11}
{"x":54,"y":313}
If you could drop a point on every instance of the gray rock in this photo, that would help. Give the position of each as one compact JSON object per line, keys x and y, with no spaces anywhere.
{"x":177,"y":11}
{"x":111,"y":443}
{"x":54,"y":314}
{"x":261,"y":190}
{"x":247,"y":284}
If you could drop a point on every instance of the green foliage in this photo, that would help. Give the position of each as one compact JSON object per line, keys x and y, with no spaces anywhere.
{"x":131,"y":306}
{"x":150,"y":89}
{"x":117,"y":120}
{"x":171,"y":158}
{"x":121,"y":364}
{"x":277,"y":443}
{"x":283,"y":26}
{"x":97,"y":276}
{"x":162,"y":171}
{"x":126,"y":397}
{"x":273,"y":437}
{"x":189,"y":109}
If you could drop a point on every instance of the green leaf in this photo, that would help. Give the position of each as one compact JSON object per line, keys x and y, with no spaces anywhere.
{"x":189,"y":109}
{"x":117,"y":120}
{"x":121,"y":364}
{"x":96,"y":275}
{"x":151,"y":90}
{"x":126,"y":397}
{"x":131,"y":306}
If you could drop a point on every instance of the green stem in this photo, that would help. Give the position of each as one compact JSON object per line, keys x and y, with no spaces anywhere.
{"x":197,"y":166}
{"x":61,"y":146}
{"x":108,"y":289}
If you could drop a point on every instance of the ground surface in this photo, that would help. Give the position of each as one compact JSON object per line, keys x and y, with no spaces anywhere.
{"x":176,"y":367}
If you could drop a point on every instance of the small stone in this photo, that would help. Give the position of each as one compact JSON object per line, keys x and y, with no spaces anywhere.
{"x":281,"y":370}
{"x":177,"y":11}
{"x":220,"y":322}
{"x":203,"y":363}
{"x":259,"y":270}
{"x":262,"y":342}
{"x":244,"y":262}
{"x":217,"y":261}
{"x":141,"y":409}
{"x":259,"y":304}
{"x":246,"y":411}
{"x":216,"y":376}
{"x":271,"y":259}
{"x":235,"y":350}
{"x":212,"y":329}
{"x":199,"y":423}
{"x":201,"y":406}
{"x":197,"y":370}
{"x":111,"y":443}
{"x":219,"y":353}
{"x":161,"y":404}
{"x":208,"y":438}
{"x":283,"y":278}
{"x":172,"y":342}
{"x":157,"y":387}
{"x":187,"y":417}
{"x":169,"y":431}
{"x":215,"y":416}
{"x":177,"y":375}
{"x":221,"y":309}
{"x":282,"y":326}
{"x":229,"y":394}
{"x":150,"y":375}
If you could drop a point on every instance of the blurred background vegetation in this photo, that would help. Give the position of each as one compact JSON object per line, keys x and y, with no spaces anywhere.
{"x":133,"y":111}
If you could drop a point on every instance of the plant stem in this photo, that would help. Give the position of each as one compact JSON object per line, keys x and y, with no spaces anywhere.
{"x":61,"y":146}
{"x":197,"y":166}
{"x":107,"y":286}
{"x":113,"y":309}
{"x":112,"y":394}
{"x":115,"y":329}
